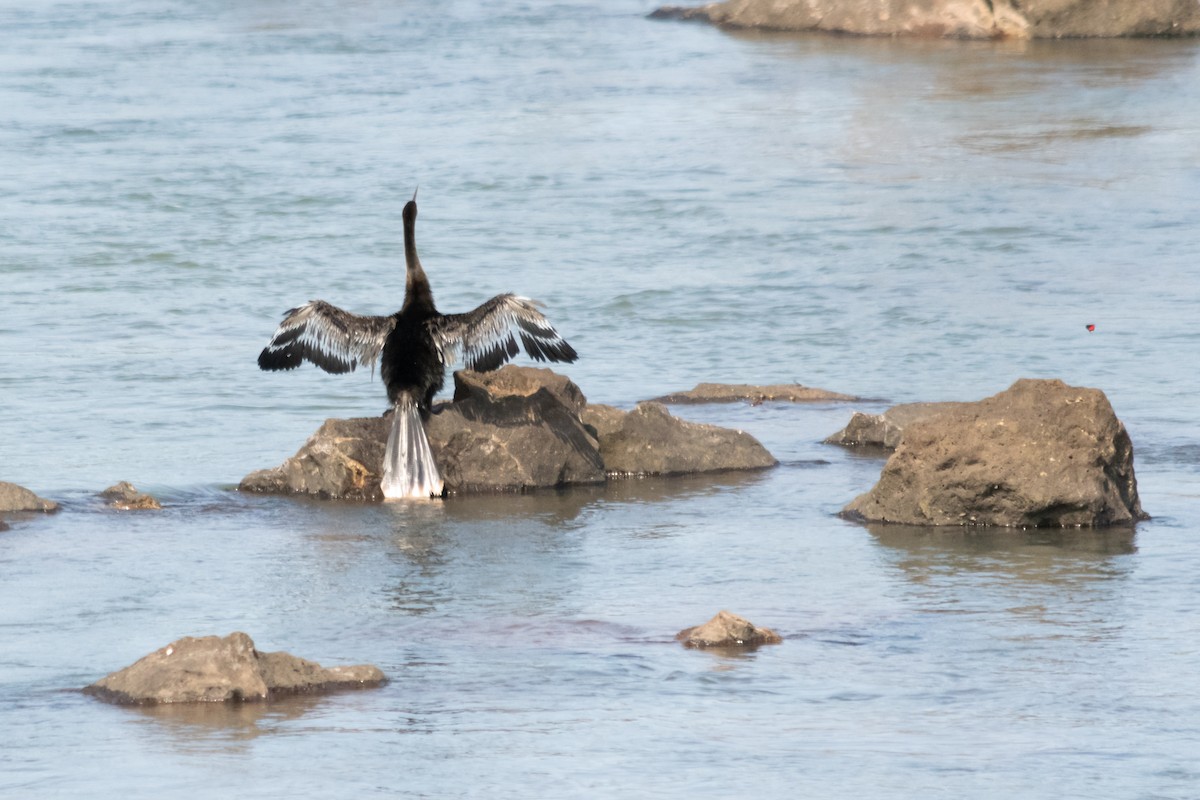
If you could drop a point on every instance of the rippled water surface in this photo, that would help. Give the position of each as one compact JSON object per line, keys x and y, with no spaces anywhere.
{"x":893,"y":219}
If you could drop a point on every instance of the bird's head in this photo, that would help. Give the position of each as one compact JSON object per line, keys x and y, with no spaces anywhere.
{"x":410,"y":208}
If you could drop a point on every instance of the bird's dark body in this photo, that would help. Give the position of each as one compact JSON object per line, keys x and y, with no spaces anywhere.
{"x":410,"y":362}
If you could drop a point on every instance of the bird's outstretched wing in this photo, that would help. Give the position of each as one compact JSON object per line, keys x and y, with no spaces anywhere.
{"x":335,"y":340}
{"x":487,"y":337}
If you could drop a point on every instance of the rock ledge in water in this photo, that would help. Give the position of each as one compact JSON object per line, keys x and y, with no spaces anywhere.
{"x":740,"y":392}
{"x":211,"y":669}
{"x":727,"y":630}
{"x":15,"y":498}
{"x":513,"y":430}
{"x":1040,"y":454}
{"x":960,"y":19}
{"x":649,"y":441}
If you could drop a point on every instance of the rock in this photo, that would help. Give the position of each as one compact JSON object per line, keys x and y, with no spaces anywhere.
{"x":1040,"y":454}
{"x":342,"y":461}
{"x":215,"y":669}
{"x":514,"y":430}
{"x":649,"y":441}
{"x":727,"y":630}
{"x":964,"y":19}
{"x":287,"y":674}
{"x":1059,"y":19}
{"x":884,"y":430}
{"x":125,"y":497}
{"x":521,"y":382}
{"x":512,"y":442}
{"x":603,"y":421}
{"x":508,"y":431}
{"x":18,"y":498}
{"x":733,"y":393}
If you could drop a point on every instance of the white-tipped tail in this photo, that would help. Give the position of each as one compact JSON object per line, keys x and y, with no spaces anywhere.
{"x":408,"y":466}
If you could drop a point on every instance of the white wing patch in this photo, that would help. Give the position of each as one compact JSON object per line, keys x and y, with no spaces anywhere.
{"x":487,"y":337}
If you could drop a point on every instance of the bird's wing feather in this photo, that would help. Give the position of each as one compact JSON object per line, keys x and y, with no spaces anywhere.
{"x":487,"y":337}
{"x":322,"y":334}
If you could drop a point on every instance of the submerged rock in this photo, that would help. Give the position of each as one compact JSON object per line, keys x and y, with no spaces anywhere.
{"x":125,"y":497}
{"x":516,"y":429}
{"x":1040,"y":454}
{"x":18,"y":498}
{"x":727,"y":630}
{"x":740,"y":392}
{"x":649,"y":441}
{"x":210,"y":669}
{"x":963,"y":19}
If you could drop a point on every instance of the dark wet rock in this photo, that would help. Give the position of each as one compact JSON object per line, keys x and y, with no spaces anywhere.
{"x":649,"y":441}
{"x":342,"y":460}
{"x":125,"y":497}
{"x":884,"y":430}
{"x":286,"y":674}
{"x":727,"y":630}
{"x":602,"y":421}
{"x":495,"y":442}
{"x":215,"y":669}
{"x":514,"y":430}
{"x":740,"y":392}
{"x":521,"y":382}
{"x":15,"y":498}
{"x":964,"y":19}
{"x":1040,"y":454}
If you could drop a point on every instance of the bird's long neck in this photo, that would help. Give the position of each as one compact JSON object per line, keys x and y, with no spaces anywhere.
{"x":417,"y":294}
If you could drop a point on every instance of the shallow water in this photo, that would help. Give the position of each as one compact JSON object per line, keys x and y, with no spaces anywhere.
{"x":897,"y":220}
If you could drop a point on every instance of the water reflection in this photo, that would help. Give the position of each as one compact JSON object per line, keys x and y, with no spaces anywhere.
{"x":1066,"y":581}
{"x":565,"y":506}
{"x":202,"y":727}
{"x":1026,"y":556}
{"x":905,"y":103}
{"x":977,"y":68}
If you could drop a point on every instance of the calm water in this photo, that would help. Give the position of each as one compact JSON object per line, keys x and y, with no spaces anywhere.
{"x":899,"y":220}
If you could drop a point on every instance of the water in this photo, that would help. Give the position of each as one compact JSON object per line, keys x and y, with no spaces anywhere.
{"x":898,"y":220}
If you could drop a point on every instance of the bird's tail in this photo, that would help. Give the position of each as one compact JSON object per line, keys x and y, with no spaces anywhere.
{"x":408,"y":466}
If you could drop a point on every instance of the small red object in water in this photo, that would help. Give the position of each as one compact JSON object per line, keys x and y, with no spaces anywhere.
{"x":1091,"y":327}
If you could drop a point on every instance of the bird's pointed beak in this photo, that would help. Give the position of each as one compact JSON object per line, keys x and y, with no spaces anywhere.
{"x":415,"y":194}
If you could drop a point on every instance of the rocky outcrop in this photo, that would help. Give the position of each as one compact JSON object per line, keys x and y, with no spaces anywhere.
{"x":1040,"y":454}
{"x":649,"y":441}
{"x":494,"y":439}
{"x":341,"y":461}
{"x":509,"y":431}
{"x":964,"y":19}
{"x":514,"y":430}
{"x":740,"y":392}
{"x":124,"y":497}
{"x":727,"y":630}
{"x":14,"y":498}
{"x":514,"y":381}
{"x":210,"y":669}
{"x":884,"y":430}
